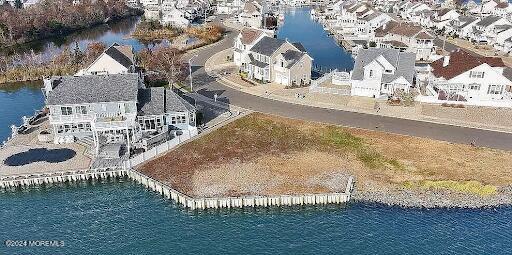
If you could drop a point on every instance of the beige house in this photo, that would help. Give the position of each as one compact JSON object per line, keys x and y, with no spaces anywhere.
{"x":116,"y":59}
{"x":279,"y":61}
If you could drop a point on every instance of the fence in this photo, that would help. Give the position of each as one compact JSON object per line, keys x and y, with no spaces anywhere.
{"x":337,"y":78}
{"x":157,"y":150}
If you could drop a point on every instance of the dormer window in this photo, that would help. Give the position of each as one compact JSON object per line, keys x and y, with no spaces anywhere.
{"x":388,"y":71}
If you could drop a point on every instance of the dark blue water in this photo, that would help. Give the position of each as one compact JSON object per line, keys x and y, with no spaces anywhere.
{"x":124,"y":218}
{"x":299,"y":27}
{"x":17,"y":100}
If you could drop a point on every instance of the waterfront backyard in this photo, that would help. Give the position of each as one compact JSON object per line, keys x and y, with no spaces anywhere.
{"x":268,"y":155}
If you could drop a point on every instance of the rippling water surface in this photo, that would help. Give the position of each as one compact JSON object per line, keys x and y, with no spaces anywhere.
{"x":124,"y":218}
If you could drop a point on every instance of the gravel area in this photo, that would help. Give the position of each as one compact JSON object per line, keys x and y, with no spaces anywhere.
{"x":419,"y":198}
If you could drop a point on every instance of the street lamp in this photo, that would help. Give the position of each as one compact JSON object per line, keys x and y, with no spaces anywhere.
{"x":190,"y":71}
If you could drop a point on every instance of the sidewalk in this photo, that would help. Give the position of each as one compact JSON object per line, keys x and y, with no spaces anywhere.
{"x":473,"y":117}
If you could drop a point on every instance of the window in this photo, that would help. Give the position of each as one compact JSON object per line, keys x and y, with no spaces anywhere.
{"x":476,"y":74}
{"x":282,"y":63}
{"x":82,"y":109}
{"x":389,"y":71}
{"x":474,"y":86}
{"x":495,"y":89}
{"x":66,"y":110}
{"x":371,"y":74}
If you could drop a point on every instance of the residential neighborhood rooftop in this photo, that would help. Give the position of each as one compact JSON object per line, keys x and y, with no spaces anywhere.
{"x":93,"y":89}
{"x":402,"y":61}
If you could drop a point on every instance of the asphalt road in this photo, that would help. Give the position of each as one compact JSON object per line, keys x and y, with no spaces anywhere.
{"x":207,"y":86}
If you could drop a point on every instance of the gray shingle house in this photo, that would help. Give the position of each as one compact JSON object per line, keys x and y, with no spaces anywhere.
{"x":279,"y":61}
{"x":113,"y":109}
{"x":380,"y":72}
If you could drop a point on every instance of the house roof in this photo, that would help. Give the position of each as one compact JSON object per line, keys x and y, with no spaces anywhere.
{"x":467,"y":20}
{"x":292,"y":57}
{"x":406,"y":29}
{"x":460,"y":62}
{"x":159,"y":100}
{"x":176,"y":103}
{"x":251,"y":7}
{"x":267,"y":45}
{"x":151,"y":101}
{"x":257,"y":63}
{"x":396,"y":44}
{"x":122,"y":54}
{"x":384,"y":29}
{"x":299,"y":46}
{"x":487,"y":21}
{"x":249,"y":35}
{"x":402,"y":61}
{"x":507,"y":72}
{"x":93,"y":89}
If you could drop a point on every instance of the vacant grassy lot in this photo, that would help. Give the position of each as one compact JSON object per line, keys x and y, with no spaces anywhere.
{"x":262,"y":155}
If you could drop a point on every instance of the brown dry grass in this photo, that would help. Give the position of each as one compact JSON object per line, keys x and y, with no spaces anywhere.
{"x":262,"y":155}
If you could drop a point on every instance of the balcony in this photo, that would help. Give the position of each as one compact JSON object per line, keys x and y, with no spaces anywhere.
{"x":75,"y":118}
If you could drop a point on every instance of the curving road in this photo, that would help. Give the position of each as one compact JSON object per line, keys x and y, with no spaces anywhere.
{"x":208,"y":86}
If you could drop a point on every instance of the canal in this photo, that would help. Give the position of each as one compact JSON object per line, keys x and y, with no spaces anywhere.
{"x":124,"y":218}
{"x":300,"y":27}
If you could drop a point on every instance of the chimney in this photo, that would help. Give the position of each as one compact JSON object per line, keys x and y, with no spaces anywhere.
{"x":384,"y":26}
{"x":446,"y":61}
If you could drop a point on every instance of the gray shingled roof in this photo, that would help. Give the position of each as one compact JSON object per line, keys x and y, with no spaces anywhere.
{"x":257,"y":63}
{"x":93,"y":89}
{"x":267,"y":45}
{"x":175,"y":103}
{"x":487,"y":21}
{"x":402,"y":61}
{"x":299,"y":46}
{"x":158,"y":101}
{"x":119,"y":56}
{"x":151,"y":101}
{"x":292,"y":56}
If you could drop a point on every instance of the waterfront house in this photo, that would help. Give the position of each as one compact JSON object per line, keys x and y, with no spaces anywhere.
{"x":116,"y":59}
{"x":463,"y":26}
{"x":442,"y":18}
{"x":485,"y":27}
{"x":251,"y":15}
{"x":279,"y":61}
{"x":247,"y":38}
{"x":113,"y":109}
{"x":229,"y":6}
{"x":175,"y":18}
{"x":410,"y":37}
{"x":499,"y":35}
{"x":462,"y":76}
{"x":381,"y":72}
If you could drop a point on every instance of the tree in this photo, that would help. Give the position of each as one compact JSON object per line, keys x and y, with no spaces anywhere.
{"x":167,"y":61}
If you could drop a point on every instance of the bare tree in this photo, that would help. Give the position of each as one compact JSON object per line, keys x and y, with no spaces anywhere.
{"x":167,"y":61}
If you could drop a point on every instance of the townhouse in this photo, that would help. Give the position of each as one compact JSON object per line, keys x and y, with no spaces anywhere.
{"x":485,"y":28}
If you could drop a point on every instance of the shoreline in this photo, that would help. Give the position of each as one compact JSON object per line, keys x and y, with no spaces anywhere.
{"x":434,"y":199}
{"x":7,"y":49}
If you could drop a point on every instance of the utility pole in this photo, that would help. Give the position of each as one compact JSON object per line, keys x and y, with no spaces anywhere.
{"x":190,"y":71}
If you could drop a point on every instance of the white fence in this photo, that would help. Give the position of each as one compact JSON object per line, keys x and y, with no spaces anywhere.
{"x":337,"y":78}
{"x":157,"y":150}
